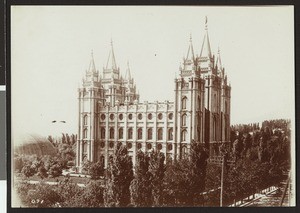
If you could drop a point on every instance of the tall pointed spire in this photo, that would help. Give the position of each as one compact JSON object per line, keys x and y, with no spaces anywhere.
{"x":190,"y":53}
{"x":219,"y":62}
{"x":128,"y":74}
{"x":205,"y":49}
{"x":111,"y":62}
{"x":92,"y":67}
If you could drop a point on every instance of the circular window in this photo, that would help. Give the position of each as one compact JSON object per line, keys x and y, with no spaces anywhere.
{"x":111,"y":144}
{"x":121,"y":116}
{"x":171,"y":116}
{"x":102,"y":144}
{"x":112,"y":116}
{"x":129,"y":145}
{"x":130,"y":116}
{"x":170,"y":147}
{"x":139,"y":145}
{"x":149,"y":116}
{"x":159,"y":146}
{"x":160,"y":116}
{"x":149,"y":146}
{"x":102,"y":116}
{"x":140,"y":116}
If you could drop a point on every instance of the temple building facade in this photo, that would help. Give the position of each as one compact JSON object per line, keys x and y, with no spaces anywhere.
{"x":110,"y":111}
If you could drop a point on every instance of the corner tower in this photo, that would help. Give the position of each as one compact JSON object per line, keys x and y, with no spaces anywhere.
{"x":189,"y":104}
{"x":90,"y":98}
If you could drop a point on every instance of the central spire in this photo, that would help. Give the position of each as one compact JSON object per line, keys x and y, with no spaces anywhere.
{"x":205,"y":49}
{"x":92,"y":67}
{"x":190,"y":53}
{"x":111,"y":58}
{"x":128,"y":74}
{"x":219,"y":62}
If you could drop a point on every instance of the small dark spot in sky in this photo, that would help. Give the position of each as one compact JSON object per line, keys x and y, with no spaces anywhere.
{"x":155,"y":54}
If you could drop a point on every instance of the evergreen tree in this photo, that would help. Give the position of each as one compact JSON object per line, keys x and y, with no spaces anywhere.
{"x":119,"y":176}
{"x":198,"y":166}
{"x":157,"y":171}
{"x":140,"y":188}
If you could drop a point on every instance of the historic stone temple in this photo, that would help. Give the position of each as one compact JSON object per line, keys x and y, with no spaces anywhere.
{"x":110,"y":110}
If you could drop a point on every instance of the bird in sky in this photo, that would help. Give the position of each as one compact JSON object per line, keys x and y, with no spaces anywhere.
{"x":63,"y":121}
{"x":54,"y":121}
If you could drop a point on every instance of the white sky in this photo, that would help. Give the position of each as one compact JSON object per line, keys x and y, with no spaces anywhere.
{"x":51,"y":48}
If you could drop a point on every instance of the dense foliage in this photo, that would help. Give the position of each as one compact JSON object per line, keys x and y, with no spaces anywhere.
{"x":254,"y":159}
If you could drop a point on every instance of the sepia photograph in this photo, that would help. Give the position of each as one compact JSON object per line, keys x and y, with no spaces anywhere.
{"x":152,"y":106}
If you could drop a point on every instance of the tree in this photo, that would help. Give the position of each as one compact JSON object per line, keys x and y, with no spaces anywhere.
{"x":157,"y":171}
{"x":96,"y":170}
{"x":18,"y":163}
{"x":55,"y":170}
{"x":92,"y":195}
{"x":140,"y":188}
{"x":198,"y":166}
{"x":28,"y":170}
{"x":119,"y":176}
{"x":42,"y":172}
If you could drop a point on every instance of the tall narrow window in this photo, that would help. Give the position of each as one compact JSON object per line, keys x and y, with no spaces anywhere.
{"x":102,"y":133}
{"x":159,"y":134}
{"x":130,"y":133}
{"x":183,"y":102}
{"x":214,"y":129}
{"x":140,"y":133}
{"x":111,"y":133}
{"x":170,"y":134}
{"x":85,"y":120}
{"x":183,"y":135}
{"x":121,"y":133}
{"x":149,"y":136}
{"x":85,"y":133}
{"x":183,"y":120}
{"x":199,"y":103}
{"x":184,"y":152}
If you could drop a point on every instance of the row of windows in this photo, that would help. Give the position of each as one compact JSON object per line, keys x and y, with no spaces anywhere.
{"x":139,"y":133}
{"x":139,"y":145}
{"x":183,"y":120}
{"x":130,"y":116}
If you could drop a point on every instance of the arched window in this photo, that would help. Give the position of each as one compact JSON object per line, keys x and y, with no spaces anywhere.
{"x":215,"y":102}
{"x":170,"y":134}
{"x":111,"y":133}
{"x":225,"y":129}
{"x":214,"y":129}
{"x":183,"y":135}
{"x":149,"y":136}
{"x":85,"y":120}
{"x":226,"y":109}
{"x":130,"y":133}
{"x":183,"y":102}
{"x":85,"y":133}
{"x":159,"y":134}
{"x":183,"y":120}
{"x":121,"y":133}
{"x":140,"y":133}
{"x":199,"y":103}
{"x":184,"y":153}
{"x":102,"y":133}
